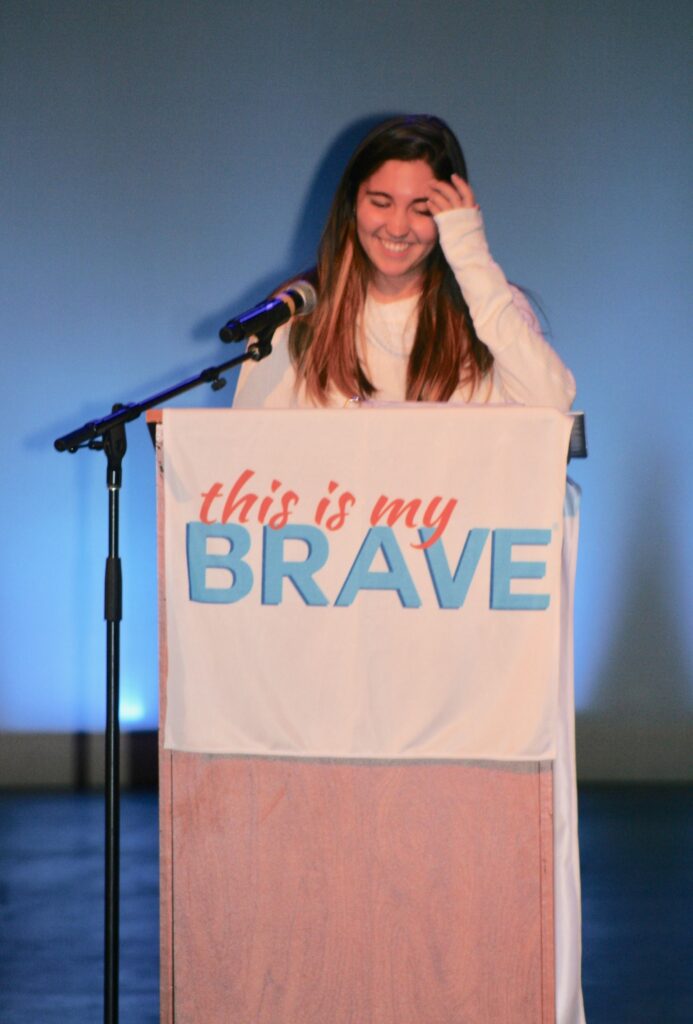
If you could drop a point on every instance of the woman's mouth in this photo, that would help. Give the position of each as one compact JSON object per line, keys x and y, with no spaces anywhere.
{"x":394,"y":247}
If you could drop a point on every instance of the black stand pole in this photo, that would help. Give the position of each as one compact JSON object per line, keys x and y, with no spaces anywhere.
{"x":108,"y":435}
{"x":114,"y":445}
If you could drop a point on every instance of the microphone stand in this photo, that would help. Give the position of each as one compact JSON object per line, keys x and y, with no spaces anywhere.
{"x":108,"y":435}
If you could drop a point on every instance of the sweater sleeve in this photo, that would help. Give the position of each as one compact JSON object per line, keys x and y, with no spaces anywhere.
{"x":526,"y":369}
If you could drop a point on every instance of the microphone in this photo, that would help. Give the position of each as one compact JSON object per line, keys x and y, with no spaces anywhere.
{"x":299,"y":299}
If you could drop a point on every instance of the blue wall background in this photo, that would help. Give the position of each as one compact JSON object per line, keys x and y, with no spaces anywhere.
{"x":164,"y":163}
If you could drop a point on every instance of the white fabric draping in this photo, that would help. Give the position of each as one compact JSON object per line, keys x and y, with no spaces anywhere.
{"x":566,"y":864}
{"x":304,"y":618}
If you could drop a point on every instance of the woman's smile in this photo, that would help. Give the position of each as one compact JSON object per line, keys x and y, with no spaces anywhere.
{"x":396,"y":247}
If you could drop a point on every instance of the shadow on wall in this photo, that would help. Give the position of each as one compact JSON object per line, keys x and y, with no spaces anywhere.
{"x":641,"y":716}
{"x":311,"y":219}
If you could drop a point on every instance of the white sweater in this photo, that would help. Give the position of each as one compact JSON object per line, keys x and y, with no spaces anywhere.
{"x":526,"y":370}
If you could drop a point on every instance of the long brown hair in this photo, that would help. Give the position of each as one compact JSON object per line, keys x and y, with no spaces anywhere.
{"x":323,"y":346}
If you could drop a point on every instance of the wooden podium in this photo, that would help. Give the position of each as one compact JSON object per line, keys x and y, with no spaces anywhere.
{"x":298,"y":891}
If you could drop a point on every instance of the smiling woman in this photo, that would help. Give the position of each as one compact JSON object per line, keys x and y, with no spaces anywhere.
{"x":395,"y":227}
{"x":410,"y":304}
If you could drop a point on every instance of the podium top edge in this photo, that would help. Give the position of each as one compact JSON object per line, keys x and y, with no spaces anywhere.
{"x":576,"y":450}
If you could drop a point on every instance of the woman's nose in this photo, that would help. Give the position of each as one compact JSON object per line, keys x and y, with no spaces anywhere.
{"x":398,"y":223}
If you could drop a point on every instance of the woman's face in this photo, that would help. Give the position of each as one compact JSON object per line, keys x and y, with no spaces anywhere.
{"x":395,"y":226}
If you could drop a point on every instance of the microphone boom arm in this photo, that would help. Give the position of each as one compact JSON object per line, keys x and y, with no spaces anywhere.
{"x":88,"y":435}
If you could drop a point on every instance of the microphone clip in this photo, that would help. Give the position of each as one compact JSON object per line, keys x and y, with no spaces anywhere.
{"x":261,"y":347}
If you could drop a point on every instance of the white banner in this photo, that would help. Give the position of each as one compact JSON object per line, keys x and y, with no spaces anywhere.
{"x":372,"y":583}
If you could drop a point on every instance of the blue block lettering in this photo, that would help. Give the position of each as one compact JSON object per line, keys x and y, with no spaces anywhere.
{"x":199,"y":561}
{"x":275,"y":567}
{"x":451,"y":591}
{"x":397,"y":577}
{"x":504,"y":570}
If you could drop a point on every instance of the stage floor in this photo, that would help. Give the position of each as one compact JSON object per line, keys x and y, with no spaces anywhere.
{"x":637,"y":870}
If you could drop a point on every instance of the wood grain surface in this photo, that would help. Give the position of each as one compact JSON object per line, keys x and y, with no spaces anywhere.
{"x":319,"y":892}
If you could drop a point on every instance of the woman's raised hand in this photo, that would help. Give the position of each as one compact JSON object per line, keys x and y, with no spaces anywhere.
{"x":455,"y":194}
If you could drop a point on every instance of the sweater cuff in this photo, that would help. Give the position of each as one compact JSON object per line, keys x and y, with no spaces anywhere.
{"x":462,"y":236}
{"x":458,"y":222}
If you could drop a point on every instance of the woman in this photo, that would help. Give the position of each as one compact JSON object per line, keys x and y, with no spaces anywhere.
{"x":411,"y":305}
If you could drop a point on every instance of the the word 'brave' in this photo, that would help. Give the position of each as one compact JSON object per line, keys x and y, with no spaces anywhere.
{"x":451,"y":587}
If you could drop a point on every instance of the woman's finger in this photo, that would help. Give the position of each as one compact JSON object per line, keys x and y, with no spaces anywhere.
{"x":455,"y":194}
{"x":443,"y":195}
{"x":464,"y":190}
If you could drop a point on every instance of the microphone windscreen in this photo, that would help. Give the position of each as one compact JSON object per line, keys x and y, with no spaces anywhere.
{"x":306,"y":294}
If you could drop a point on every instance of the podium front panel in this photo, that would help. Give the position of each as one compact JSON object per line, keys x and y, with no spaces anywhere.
{"x":312,"y":892}
{"x":317,"y":891}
